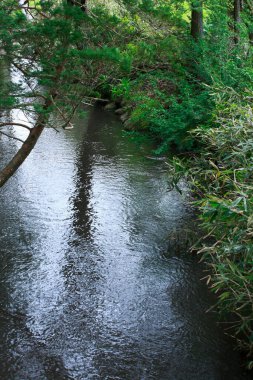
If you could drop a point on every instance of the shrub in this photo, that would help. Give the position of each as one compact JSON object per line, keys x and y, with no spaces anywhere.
{"x":222,"y":176}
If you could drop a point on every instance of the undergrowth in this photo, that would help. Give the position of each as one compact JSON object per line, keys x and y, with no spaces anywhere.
{"x":164,"y":100}
{"x":222,"y":178}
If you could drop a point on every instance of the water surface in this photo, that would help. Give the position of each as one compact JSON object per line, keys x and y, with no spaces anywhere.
{"x":91,"y":287}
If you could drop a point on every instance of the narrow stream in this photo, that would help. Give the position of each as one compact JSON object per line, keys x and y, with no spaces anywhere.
{"x":90,"y":286}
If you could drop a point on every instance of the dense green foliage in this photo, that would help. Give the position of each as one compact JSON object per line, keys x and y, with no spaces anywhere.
{"x":167,"y":93}
{"x":53,"y":55}
{"x":221,"y":174}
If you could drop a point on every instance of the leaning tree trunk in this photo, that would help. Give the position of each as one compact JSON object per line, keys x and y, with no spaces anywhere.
{"x":197,"y":20}
{"x":26,"y":148}
{"x":34,"y":134}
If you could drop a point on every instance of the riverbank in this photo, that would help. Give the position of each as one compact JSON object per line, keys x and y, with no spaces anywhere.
{"x":221,"y":176}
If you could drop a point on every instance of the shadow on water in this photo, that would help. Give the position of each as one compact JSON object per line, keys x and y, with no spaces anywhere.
{"x":91,"y":288}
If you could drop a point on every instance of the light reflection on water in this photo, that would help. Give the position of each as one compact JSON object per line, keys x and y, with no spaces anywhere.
{"x":84,"y":226}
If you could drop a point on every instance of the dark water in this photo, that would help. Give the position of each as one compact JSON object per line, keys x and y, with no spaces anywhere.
{"x":89,"y":288}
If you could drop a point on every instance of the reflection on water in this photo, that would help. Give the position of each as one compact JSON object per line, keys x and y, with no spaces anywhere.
{"x":86,"y":290}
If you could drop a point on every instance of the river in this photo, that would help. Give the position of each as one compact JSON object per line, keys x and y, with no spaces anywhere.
{"x":91,"y":285}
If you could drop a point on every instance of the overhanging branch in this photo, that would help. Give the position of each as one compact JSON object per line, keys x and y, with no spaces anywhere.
{"x":27,"y":146}
{"x":11,"y":137}
{"x":15,"y":124}
{"x":33,"y":137}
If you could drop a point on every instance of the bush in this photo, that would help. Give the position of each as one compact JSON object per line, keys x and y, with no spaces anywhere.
{"x":166,"y":105}
{"x":222,"y":176}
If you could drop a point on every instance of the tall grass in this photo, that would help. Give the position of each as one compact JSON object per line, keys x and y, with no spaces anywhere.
{"x":222,"y":177}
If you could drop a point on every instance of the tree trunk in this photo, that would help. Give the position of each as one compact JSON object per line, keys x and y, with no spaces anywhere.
{"x":197,"y":20}
{"x":251,"y":38}
{"x":34,"y":134}
{"x":80,"y":3}
{"x":26,"y":148}
{"x":248,"y":7}
{"x":237,"y":19}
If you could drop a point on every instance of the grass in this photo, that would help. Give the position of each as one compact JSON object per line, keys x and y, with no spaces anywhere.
{"x":222,"y":179}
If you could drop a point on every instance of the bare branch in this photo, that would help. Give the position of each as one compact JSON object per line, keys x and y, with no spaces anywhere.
{"x":15,"y":124}
{"x":59,"y":110}
{"x":97,"y":99}
{"x":56,"y":130}
{"x":11,"y":137}
{"x":32,"y":95}
{"x":17,"y":66}
{"x":66,"y":119}
{"x":28,"y":10}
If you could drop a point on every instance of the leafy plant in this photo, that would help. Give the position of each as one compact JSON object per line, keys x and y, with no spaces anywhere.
{"x":221,"y":175}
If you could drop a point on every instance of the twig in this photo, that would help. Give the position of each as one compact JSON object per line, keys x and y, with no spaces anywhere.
{"x":24,"y":72}
{"x":11,"y":137}
{"x":28,"y":10}
{"x":15,"y":124}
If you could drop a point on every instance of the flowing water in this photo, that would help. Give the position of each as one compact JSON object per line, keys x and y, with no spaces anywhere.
{"x":92,"y":285}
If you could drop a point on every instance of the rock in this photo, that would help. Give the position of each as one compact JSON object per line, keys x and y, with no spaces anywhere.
{"x":69,"y":126}
{"x":110,"y":106}
{"x":157,"y":158}
{"x":124,"y":117}
{"x":123,"y":103}
{"x":120,"y":111}
{"x":128,"y":125}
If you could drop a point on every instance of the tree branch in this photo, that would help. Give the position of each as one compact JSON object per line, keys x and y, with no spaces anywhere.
{"x":28,"y":9}
{"x":15,"y":124}
{"x":26,"y":148}
{"x":11,"y":137}
{"x":33,"y":137}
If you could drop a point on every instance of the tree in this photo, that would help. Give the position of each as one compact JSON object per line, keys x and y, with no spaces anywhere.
{"x":56,"y":74}
{"x":80,"y":3}
{"x":197,"y":20}
{"x":237,"y":18}
{"x":30,"y":49}
{"x":248,"y":11}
